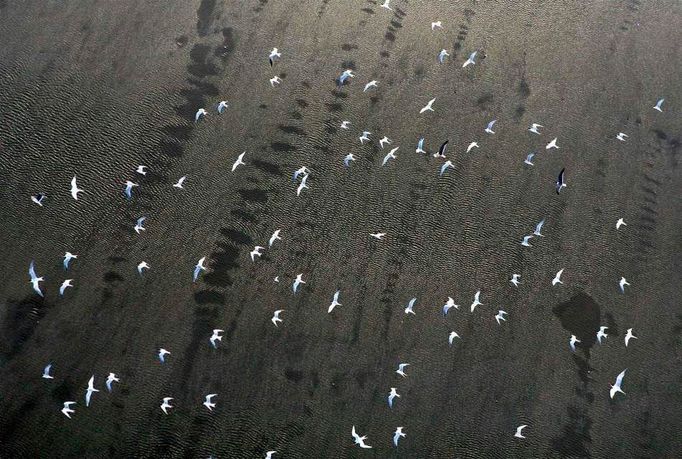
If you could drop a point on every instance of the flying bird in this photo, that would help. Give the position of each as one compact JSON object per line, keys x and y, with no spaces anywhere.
{"x":207,"y":403}
{"x":348,"y":73}
{"x":166,"y":404}
{"x":401,"y":369}
{"x":452,"y":336}
{"x":239,"y":161}
{"x":256,"y":252}
{"x":572,"y":342}
{"x":74,"y":189}
{"x":428,"y":106}
{"x":300,"y":171}
{"x":518,"y":431}
{"x":620,"y":223}
{"x":397,"y":434}
{"x":274,"y":237}
{"x":335,"y":302}
{"x":526,"y":240}
{"x":390,"y":155}
{"x":538,"y":228}
{"x":141,"y":170}
{"x":201,"y":112}
{"x":269,"y":454}
{"x":489,"y":128}
{"x":391,"y":396}
{"x":35,"y":279}
{"x":500,"y":316}
{"x":46,"y":372}
{"x":442,"y":55}
{"x":420,"y":146}
{"x":222,"y":105}
{"x":659,"y":105}
{"x":180,"y":181}
{"x":379,"y":236}
{"x":441,"y":150}
{"x":90,"y":390}
{"x":302,"y":185}
{"x":274,"y":55}
{"x":552,"y":144}
{"x":617,"y":386}
{"x":275,"y":317}
{"x":297,"y":282}
{"x":529,"y":159}
{"x":557,"y":278}
{"x":386,"y":5}
{"x":448,"y":305}
{"x":66,"y":411}
{"x":561,"y":181}
{"x":349,"y":157}
{"x":622,"y":284}
{"x":345,"y":124}
{"x":198,"y":268}
{"x":215,"y":337}
{"x":129,"y":189}
{"x":364,"y":136}
{"x":410,"y":307}
{"x":445,"y":166}
{"x":534,"y":128}
{"x":38,"y":199}
{"x":602,"y":333}
{"x":162,"y":354}
{"x":357,"y":439}
{"x":68,"y":256}
{"x":275,"y":80}
{"x":621,"y":136}
{"x":515,"y":280}
{"x":629,"y":336}
{"x":66,"y":284}
{"x":139,"y":225}
{"x":383,"y":141}
{"x":472,"y":145}
{"x":471,"y":60}
{"x":477,"y":301}
{"x":437,"y":24}
{"x":141,"y":266}
{"x":111,"y":379}
{"x":371,"y":84}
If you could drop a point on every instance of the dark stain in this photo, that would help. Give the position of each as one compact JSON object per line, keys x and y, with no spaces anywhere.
{"x":236,"y":236}
{"x":282,"y":146}
{"x":204,"y":16}
{"x":660,"y":134}
{"x":580,"y":316}
{"x":302,"y":103}
{"x":576,"y":435}
{"x":20,"y":321}
{"x":292,"y":130}
{"x":334,"y":107}
{"x":209,"y":296}
{"x":390,"y":36}
{"x":270,"y":168}
{"x":244,"y":216}
{"x":524,"y":89}
{"x":368,"y":10}
{"x":200,"y":65}
{"x":348,"y":47}
{"x":253,"y":195}
{"x":384,"y":54}
{"x":112,"y":276}
{"x":484,"y":101}
{"x":293,"y":375}
{"x":224,"y":51}
{"x":181,"y":41}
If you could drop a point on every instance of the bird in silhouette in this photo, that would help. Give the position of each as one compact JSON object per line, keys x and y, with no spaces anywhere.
{"x":561,"y":181}
{"x":38,"y":199}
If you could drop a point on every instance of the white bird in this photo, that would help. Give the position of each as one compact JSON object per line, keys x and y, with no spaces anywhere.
{"x":74,"y":188}
{"x":538,"y":228}
{"x":256,"y":252}
{"x":557,"y":278}
{"x":66,"y":411}
{"x":348,"y":73}
{"x":471,"y":60}
{"x":420,"y":146}
{"x":572,"y":342}
{"x":617,"y":386}
{"x":349,"y":157}
{"x":620,"y":223}
{"x":396,"y":435}
{"x":276,"y":279}
{"x":442,"y":55}
{"x":445,"y":166}
{"x":629,"y":336}
{"x":180,"y":181}
{"x":345,"y":124}
{"x":472,"y":145}
{"x":529,"y":159}
{"x":391,"y":396}
{"x":274,"y":237}
{"x":46,"y":372}
{"x":335,"y":302}
{"x":275,"y":317}
{"x":437,"y":24}
{"x":515,"y":279}
{"x":162,"y":354}
{"x":452,"y":336}
{"x":129,"y":189}
{"x":477,"y":301}
{"x":268,"y":455}
{"x":371,"y":84}
{"x":518,"y":431}
{"x":364,"y":136}
{"x":401,"y":369}
{"x":201,"y":112}
{"x":428,"y":106}
{"x":489,"y":128}
{"x":239,"y":161}
{"x":552,"y":144}
{"x":534,"y":128}
{"x":165,"y":405}
{"x":448,"y":305}
{"x":602,"y":333}
{"x":297,"y":282}
{"x":386,"y":5}
{"x":111,"y":379}
{"x":139,"y":225}
{"x":379,"y":236}
{"x":198,"y":268}
{"x":215,"y":337}
{"x":68,"y":256}
{"x":90,"y":390}
{"x":208,"y":404}
{"x":384,"y":140}
{"x":526,"y":240}
{"x":35,"y":279}
{"x":141,"y":170}
{"x":275,"y":80}
{"x":621,"y":136}
{"x":302,"y":185}
{"x":38,"y":199}
{"x":274,"y":54}
{"x":300,"y":171}
{"x":390,"y":155}
{"x":66,"y":284}
{"x":622,"y":284}
{"x":659,"y":105}
{"x":222,"y":105}
{"x":357,"y":439}
{"x":410,"y":307}
{"x":500,"y":316}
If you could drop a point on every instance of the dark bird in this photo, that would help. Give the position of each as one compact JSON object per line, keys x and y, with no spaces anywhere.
{"x":560,"y":181}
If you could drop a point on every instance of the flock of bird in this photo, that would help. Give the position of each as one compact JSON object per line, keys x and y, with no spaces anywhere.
{"x":302,"y":173}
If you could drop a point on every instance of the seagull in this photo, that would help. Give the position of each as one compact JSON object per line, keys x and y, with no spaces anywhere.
{"x":275,"y":317}
{"x":452,"y":336}
{"x":364,"y":136}
{"x":658,"y":105}
{"x":449,"y":304}
{"x":344,"y":124}
{"x":165,"y":405}
{"x":110,"y":379}
{"x":529,"y":159}
{"x":472,"y":145}
{"x":68,"y":256}
{"x":256,"y":252}
{"x":67,"y":283}
{"x":525,"y":242}
{"x":268,"y":455}
{"x":538,"y":228}
{"x":348,"y":73}
{"x":534,"y":128}
{"x":141,"y":170}
{"x":66,"y":411}
{"x":628,"y":336}
{"x":557,"y":278}
{"x":35,"y":280}
{"x":518,"y":431}
{"x":379,"y":236}
{"x":489,"y":128}
{"x":391,"y":396}
{"x":442,"y":55}
{"x":477,"y":301}
{"x":139,"y":225}
{"x":390,"y":155}
{"x":222,"y":105}
{"x":437,"y":24}
{"x":207,"y":402}
{"x":616,"y":387}
{"x":500,"y":316}
{"x":622,"y":284}
{"x":240,"y":160}
{"x":420,"y":146}
{"x":74,"y":188}
{"x":552,"y":144}
{"x":357,"y":439}
{"x":385,"y":5}
{"x":201,"y":112}
{"x":602,"y":333}
{"x":302,"y":185}
{"x":428,"y":106}
{"x":276,"y":279}
{"x":349,"y":157}
{"x":141,"y":266}
{"x":129,"y":189}
{"x":515,"y":279}
{"x":181,"y":180}
{"x":275,"y":80}
{"x":162,"y":353}
{"x":198,"y":268}
{"x":297,"y":282}
{"x":383,"y":141}
{"x":410,"y":307}
{"x":471,"y":60}
{"x":46,"y":372}
{"x":573,"y":342}
{"x":90,"y":390}
{"x":38,"y":199}
{"x":620,"y":223}
{"x":302,"y":170}
{"x":335,"y":302}
{"x":441,"y":150}
{"x":274,"y":54}
{"x":401,"y":369}
{"x":396,"y":435}
{"x":561,"y":181}
{"x":371,"y":84}
{"x":621,"y":136}
{"x":445,"y":166}
{"x":215,"y":337}
{"x":274,"y":237}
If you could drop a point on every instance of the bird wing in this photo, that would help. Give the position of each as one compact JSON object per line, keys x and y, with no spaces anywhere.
{"x":32,"y":270}
{"x":619,"y":378}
